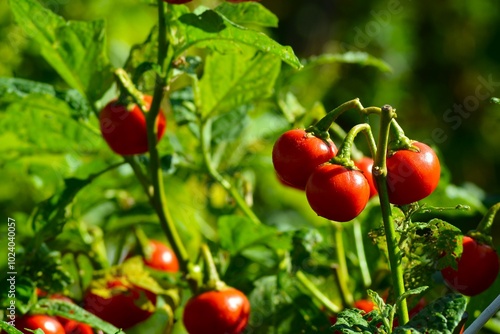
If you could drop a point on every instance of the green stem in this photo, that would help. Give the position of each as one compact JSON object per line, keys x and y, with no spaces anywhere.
{"x":380,"y":173}
{"x":320,"y":129}
{"x":206,"y":128}
{"x":311,"y":287}
{"x":139,"y":174}
{"x":214,"y":282}
{"x":343,"y":273}
{"x":158,"y":198}
{"x":360,"y":250}
{"x":344,"y":154}
{"x":401,"y":141}
{"x":127,"y":87}
{"x":487,"y":221}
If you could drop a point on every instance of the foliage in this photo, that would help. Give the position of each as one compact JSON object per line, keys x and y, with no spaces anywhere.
{"x":230,"y":91}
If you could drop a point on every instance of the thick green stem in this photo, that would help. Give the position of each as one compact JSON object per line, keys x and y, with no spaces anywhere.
{"x":487,"y":221}
{"x":315,"y":292}
{"x":380,"y":174}
{"x":158,"y":198}
{"x":206,"y":128}
{"x":127,"y":88}
{"x":343,"y":273}
{"x":360,"y":250}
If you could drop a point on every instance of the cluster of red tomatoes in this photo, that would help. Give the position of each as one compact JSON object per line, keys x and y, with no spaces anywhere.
{"x":212,"y":312}
{"x":302,"y":160}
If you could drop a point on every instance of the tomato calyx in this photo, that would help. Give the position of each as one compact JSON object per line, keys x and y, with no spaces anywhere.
{"x":321,"y":134}
{"x":400,"y":141}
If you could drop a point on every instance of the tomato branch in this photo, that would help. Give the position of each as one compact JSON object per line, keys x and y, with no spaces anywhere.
{"x":205,"y":134}
{"x":380,"y":174}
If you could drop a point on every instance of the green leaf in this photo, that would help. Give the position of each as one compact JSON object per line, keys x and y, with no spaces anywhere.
{"x":441,"y":316}
{"x":248,"y":13}
{"x":234,"y":79}
{"x":72,"y":311}
{"x":9,"y":329}
{"x":12,"y":89}
{"x":411,"y":292}
{"x":351,"y":57}
{"x":208,"y":29}
{"x":238,"y":233}
{"x":76,"y":50}
{"x":229,"y":126}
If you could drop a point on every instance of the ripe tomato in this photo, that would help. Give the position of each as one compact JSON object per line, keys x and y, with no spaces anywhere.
{"x":366,"y":165}
{"x":412,"y":176}
{"x":125,"y":307}
{"x":48,"y":324}
{"x":125,"y":130}
{"x":337,"y":193}
{"x":75,"y":327}
{"x":217,"y":312}
{"x":71,"y":326}
{"x":161,"y":257}
{"x":477,"y":268}
{"x":364,"y":305}
{"x":297,"y":153}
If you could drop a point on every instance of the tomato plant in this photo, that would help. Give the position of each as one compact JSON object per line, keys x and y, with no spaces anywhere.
{"x":161,"y":257}
{"x":125,"y":130}
{"x":337,"y":193}
{"x":48,"y":324}
{"x":213,"y":312}
{"x":297,"y":153}
{"x":477,"y":268}
{"x":124,"y":305}
{"x":246,"y":115}
{"x":412,"y":174}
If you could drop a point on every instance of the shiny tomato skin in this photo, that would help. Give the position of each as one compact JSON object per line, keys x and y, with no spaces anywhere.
{"x":477,"y":268}
{"x":297,"y":153}
{"x":337,"y":193}
{"x":122,"y":308}
{"x":217,"y":312}
{"x":365,"y":164}
{"x":161,"y":257}
{"x":365,"y":305}
{"x":412,"y":176}
{"x":125,"y":130}
{"x":48,"y":324}
{"x":75,"y":327}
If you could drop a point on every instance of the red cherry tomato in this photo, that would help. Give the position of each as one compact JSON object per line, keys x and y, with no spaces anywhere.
{"x":217,"y":312}
{"x":477,"y":268}
{"x":365,"y":164}
{"x":412,"y":176}
{"x":49,"y":325}
{"x":177,"y":2}
{"x":337,"y":193}
{"x":297,"y":153}
{"x":162,"y":257}
{"x":75,"y":327}
{"x":71,"y":326}
{"x":364,"y":305}
{"x":123,"y":308}
{"x":125,"y":130}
